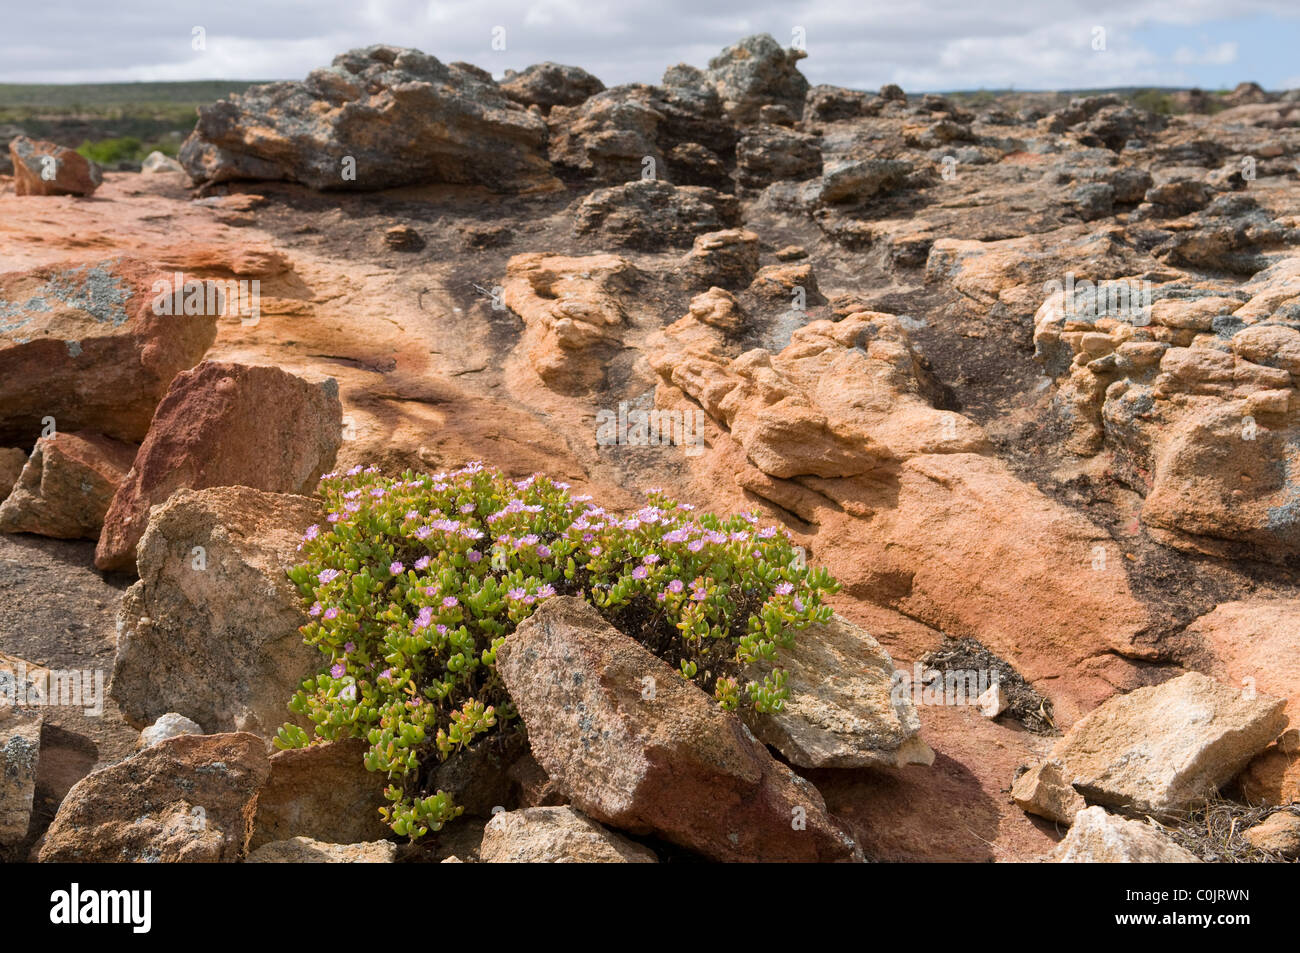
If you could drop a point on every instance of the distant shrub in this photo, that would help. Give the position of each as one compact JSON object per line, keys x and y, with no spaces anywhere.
{"x":414,"y":582}
{"x":1153,"y":100}
{"x":123,"y":149}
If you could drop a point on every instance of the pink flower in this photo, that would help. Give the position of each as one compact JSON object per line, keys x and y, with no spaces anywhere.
{"x":676,"y":586}
{"x":312,"y":532}
{"x":783,"y":589}
{"x":327,"y":575}
{"x":450,"y":602}
{"x":395,"y":568}
{"x":651,"y":559}
{"x":422,"y":562}
{"x":473,"y":555}
{"x":338,"y":670}
{"x":640,"y":572}
{"x":546,"y":591}
{"x":349,"y":647}
{"x":332,"y":612}
{"x":314,"y":610}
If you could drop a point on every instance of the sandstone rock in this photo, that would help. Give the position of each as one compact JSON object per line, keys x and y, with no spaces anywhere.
{"x":693,"y":164}
{"x":45,"y":168}
{"x":211,"y":629}
{"x":767,"y":154}
{"x":857,"y":180}
{"x":186,"y":799}
{"x":403,"y":238}
{"x":1044,"y":791}
{"x":12,"y":461}
{"x":1272,"y":778}
{"x":757,"y":72}
{"x":305,"y":850}
{"x":170,"y":725}
{"x":650,"y":214}
{"x":610,"y":136}
{"x":225,"y":425}
{"x":20,"y":751}
{"x":842,"y":711}
{"x":1100,"y":838}
{"x":556,"y":835}
{"x":1278,"y":834}
{"x":550,"y":84}
{"x":677,"y":766}
{"x":1156,"y":750}
{"x":156,"y":163}
{"x":727,"y":259}
{"x":572,"y":314}
{"x":323,"y":791}
{"x":835,"y":103}
{"x":81,"y":343}
{"x":67,"y":485}
{"x":400,"y":115}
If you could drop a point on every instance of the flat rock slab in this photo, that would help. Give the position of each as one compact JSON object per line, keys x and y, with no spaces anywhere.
{"x":669,"y":762}
{"x":1156,"y":750}
{"x":1100,"y":838}
{"x":556,"y":835}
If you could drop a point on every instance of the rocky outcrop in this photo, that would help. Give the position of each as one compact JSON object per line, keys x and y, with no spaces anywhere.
{"x":547,"y":85}
{"x":1044,"y":790}
{"x":556,"y":835}
{"x":189,"y":799}
{"x":82,"y":344}
{"x":650,"y":215}
{"x":572,"y":312}
{"x":211,"y":629}
{"x":673,"y":764}
{"x":46,"y":168}
{"x":757,"y":72}
{"x":67,"y":485}
{"x":225,"y":425}
{"x":376,"y":118}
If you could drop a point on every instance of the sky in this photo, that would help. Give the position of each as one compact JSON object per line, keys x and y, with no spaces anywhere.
{"x":922,"y":45}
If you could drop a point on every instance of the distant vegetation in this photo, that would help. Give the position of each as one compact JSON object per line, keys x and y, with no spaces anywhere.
{"x":111,"y":122}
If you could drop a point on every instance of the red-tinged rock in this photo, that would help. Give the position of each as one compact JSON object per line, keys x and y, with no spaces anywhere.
{"x":66,"y":486}
{"x":187,"y":799}
{"x":46,"y":168}
{"x":225,"y":425}
{"x":666,"y":761}
{"x":82,"y":344}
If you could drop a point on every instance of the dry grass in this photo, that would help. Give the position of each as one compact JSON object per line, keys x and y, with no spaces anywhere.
{"x":1214,"y":831}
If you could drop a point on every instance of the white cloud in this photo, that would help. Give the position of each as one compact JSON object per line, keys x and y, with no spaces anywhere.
{"x":923,"y":44}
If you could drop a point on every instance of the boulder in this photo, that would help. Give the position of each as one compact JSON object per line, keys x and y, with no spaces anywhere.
{"x":46,"y":168}
{"x":556,"y":835}
{"x":546,"y":85}
{"x":1100,"y":838}
{"x":669,"y":762}
{"x":67,"y":485}
{"x":82,"y":344}
{"x":1043,"y":790}
{"x":156,"y":163}
{"x":757,"y":72}
{"x":842,"y":711}
{"x":649,"y":214}
{"x":323,"y":791}
{"x":767,"y":154}
{"x":1157,"y":750}
{"x":211,"y":629}
{"x":727,"y":259}
{"x":376,"y":118}
{"x":186,"y":799}
{"x":20,"y":751}
{"x":225,"y":425}
{"x":305,"y":850}
{"x":856,"y":180}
